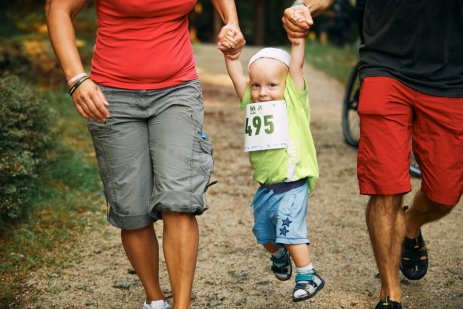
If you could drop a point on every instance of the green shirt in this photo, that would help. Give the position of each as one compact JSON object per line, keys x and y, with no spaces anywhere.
{"x":299,"y":160}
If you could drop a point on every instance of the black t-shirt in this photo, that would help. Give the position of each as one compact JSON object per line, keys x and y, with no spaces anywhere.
{"x":418,"y":42}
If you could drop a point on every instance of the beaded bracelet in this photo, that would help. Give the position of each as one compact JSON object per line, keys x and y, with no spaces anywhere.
{"x":75,"y":78}
{"x":77,"y":84}
{"x":298,"y":3}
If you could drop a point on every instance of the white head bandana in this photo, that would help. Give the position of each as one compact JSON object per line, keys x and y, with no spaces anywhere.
{"x":273,"y":53}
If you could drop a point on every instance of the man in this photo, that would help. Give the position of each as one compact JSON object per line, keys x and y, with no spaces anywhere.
{"x":412,"y":89}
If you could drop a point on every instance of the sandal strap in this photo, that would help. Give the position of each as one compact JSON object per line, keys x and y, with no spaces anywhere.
{"x":304,"y":277}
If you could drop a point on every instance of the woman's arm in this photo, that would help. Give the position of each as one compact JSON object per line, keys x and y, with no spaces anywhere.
{"x":88,"y":98}
{"x":227,"y":11}
{"x":60,"y":14}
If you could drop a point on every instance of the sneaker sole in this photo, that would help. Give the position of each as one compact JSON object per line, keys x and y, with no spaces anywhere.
{"x":287,"y":276}
{"x":283,"y":279}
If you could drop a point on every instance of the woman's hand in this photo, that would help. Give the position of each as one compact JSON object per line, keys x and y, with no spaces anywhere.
{"x":230,"y":41}
{"x":90,"y":101}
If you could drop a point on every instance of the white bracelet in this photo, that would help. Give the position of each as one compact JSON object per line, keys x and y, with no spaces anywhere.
{"x":299,"y":3}
{"x":76,"y":78}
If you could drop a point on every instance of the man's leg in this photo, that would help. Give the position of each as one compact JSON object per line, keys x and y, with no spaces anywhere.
{"x":141,"y":247}
{"x":386,"y":226}
{"x":423,"y":211}
{"x":414,"y":263}
{"x":180,"y":243}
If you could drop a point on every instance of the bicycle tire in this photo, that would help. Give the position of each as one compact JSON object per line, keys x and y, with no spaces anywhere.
{"x":350,"y":119}
{"x":415,"y":170}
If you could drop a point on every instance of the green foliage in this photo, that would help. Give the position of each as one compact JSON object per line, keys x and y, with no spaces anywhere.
{"x":26,"y":142}
{"x":335,"y":61}
{"x":68,"y":201}
{"x":251,"y":21}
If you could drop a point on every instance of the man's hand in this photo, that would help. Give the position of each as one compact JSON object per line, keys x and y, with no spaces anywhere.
{"x":297,"y":21}
{"x":230,"y":41}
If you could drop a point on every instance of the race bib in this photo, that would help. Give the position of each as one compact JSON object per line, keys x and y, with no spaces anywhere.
{"x":266,"y":126}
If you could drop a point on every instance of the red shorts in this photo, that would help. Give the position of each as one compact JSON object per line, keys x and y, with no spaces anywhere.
{"x":390,"y":114}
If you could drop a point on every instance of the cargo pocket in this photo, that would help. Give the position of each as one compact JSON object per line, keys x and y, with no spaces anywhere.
{"x":98,"y":131}
{"x":202,"y":163}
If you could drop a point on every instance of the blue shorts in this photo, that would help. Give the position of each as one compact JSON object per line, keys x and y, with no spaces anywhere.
{"x":280,"y":218}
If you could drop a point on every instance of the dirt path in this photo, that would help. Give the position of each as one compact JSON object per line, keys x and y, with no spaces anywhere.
{"x":232,"y":271}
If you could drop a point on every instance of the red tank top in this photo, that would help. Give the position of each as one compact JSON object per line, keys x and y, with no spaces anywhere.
{"x":143,"y":44}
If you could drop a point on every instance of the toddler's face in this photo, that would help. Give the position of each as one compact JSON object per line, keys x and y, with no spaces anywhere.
{"x":267,"y":78}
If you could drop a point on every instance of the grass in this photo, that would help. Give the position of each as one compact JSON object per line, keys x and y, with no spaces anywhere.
{"x":335,"y":61}
{"x":68,"y":200}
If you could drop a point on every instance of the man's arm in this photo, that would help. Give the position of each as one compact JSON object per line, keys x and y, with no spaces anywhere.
{"x":311,"y":8}
{"x":316,"y":7}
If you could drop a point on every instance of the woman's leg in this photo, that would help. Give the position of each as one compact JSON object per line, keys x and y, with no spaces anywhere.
{"x":180,"y":244}
{"x":142,"y":249}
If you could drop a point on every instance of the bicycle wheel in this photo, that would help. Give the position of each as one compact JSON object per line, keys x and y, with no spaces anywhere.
{"x":350,"y":119}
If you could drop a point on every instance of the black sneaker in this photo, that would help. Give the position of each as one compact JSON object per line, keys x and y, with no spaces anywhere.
{"x":307,"y":285}
{"x":414,"y":261}
{"x":388,"y":304}
{"x":283,"y":272}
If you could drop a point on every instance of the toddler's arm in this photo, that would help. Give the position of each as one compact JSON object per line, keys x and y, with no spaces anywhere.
{"x":297,"y":56}
{"x":234,"y":67}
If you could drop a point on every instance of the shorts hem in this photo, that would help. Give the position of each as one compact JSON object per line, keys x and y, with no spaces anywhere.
{"x":371,"y":189}
{"x":175,"y":201}
{"x":449,"y":201}
{"x":132,"y":222}
{"x":293,"y":241}
{"x":268,"y":241}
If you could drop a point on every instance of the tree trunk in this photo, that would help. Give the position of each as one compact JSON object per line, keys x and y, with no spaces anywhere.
{"x":259,"y":25}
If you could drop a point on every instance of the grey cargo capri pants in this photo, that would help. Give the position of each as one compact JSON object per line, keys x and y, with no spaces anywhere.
{"x":151,"y":154}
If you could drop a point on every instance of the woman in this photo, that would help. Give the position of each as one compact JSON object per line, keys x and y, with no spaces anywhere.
{"x":144,"y":108}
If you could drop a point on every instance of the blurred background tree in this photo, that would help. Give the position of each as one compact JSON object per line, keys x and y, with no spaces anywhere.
{"x":260,"y":22}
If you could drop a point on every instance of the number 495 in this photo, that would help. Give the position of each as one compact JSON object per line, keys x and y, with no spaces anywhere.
{"x":256,"y":123}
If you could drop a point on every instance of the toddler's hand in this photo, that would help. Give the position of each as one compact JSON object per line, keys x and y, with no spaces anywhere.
{"x":228,"y":41}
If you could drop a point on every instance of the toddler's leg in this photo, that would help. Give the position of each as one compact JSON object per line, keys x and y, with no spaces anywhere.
{"x":281,"y":261}
{"x":308,"y":281}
